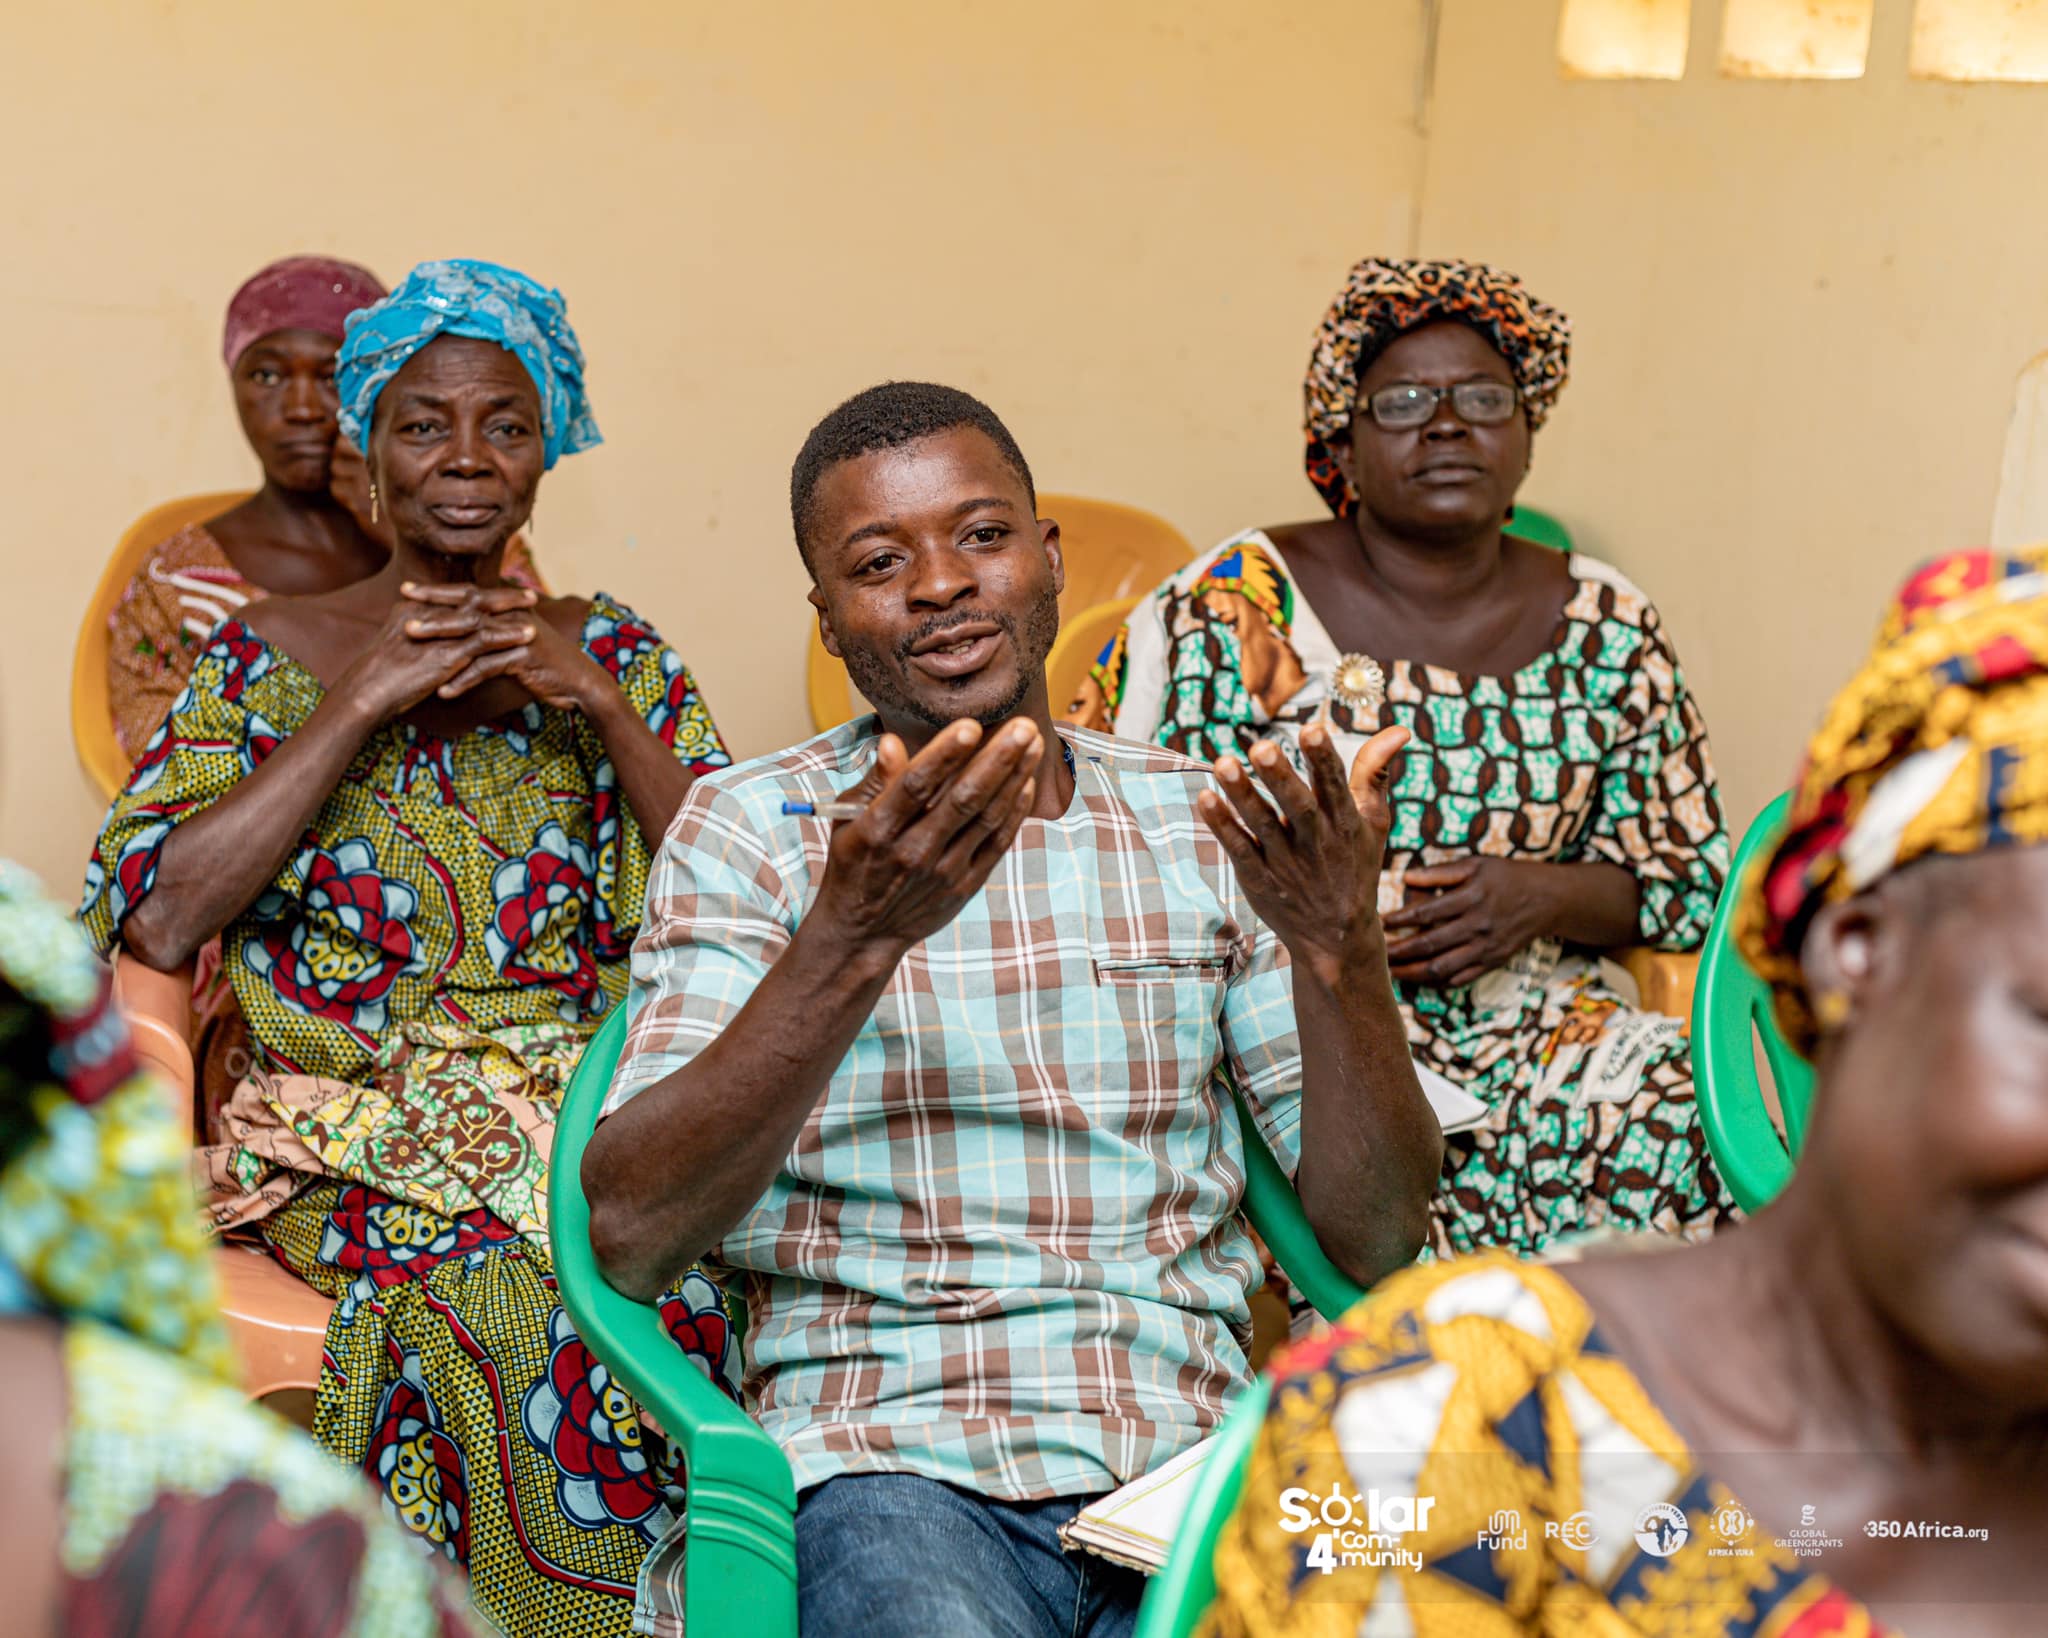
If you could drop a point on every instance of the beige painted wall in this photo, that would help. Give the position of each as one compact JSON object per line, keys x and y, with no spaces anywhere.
{"x":1800,"y":307}
{"x":1800,"y":310}
{"x":1117,"y":222}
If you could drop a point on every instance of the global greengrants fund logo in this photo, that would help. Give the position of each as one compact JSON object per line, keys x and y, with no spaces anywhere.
{"x":1811,"y":1539}
{"x":1353,"y":1530}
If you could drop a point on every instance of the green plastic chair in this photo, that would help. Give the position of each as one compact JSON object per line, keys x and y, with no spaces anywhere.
{"x":1540,"y":528}
{"x":1753,"y":1156}
{"x":1179,"y":1596}
{"x":741,"y":1558}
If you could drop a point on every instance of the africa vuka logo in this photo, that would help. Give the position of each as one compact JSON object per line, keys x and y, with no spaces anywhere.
{"x":1732,"y":1524}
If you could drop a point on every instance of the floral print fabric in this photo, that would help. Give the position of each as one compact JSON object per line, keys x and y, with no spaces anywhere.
{"x":483,"y":882}
{"x":420,"y":978}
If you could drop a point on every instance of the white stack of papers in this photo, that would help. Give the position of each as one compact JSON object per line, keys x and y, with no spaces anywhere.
{"x":1134,"y":1526}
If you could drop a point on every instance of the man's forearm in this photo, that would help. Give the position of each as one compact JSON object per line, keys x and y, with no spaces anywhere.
{"x":1371,"y":1148}
{"x":679,"y":1165}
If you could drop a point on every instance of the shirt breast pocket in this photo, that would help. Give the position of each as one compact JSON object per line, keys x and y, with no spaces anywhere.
{"x":1194,"y":966}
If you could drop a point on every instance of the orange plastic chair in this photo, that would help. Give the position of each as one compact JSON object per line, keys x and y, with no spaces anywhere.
{"x":278,"y":1322}
{"x":92,"y":721}
{"x":1111,"y":551}
{"x":1074,"y":650}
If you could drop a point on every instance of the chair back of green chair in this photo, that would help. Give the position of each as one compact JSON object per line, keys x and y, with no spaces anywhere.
{"x":1731,"y":1014}
{"x":1540,"y":528}
{"x":741,"y":1552}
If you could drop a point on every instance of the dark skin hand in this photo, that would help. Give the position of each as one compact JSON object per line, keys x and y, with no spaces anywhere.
{"x":436,"y":639}
{"x":1309,"y":862}
{"x":1423,"y":572}
{"x":937,"y":585}
{"x":1465,"y":918}
{"x":293,"y":536}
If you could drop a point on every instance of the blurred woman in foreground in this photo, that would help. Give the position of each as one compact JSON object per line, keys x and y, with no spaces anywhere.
{"x":1835,"y":1419}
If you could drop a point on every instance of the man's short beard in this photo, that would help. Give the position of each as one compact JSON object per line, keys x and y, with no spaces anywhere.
{"x":878,"y":682}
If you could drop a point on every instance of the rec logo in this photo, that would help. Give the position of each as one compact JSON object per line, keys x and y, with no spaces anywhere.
{"x":1504,"y":1532}
{"x":1577,"y":1532}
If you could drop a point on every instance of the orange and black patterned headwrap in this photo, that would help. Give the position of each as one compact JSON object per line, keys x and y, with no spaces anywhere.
{"x":1383,"y":298}
{"x":1938,"y":745}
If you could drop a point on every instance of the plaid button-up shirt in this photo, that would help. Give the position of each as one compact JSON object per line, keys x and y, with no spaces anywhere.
{"x":1004,"y":1252}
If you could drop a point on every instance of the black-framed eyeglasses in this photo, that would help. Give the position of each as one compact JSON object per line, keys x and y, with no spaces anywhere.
{"x":1407,"y":405}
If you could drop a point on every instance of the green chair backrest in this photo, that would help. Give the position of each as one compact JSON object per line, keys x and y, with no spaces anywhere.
{"x":741,"y":1555}
{"x":1754,"y":1158}
{"x":1540,"y":528}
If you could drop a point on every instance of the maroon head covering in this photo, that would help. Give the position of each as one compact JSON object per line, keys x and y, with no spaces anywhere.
{"x":299,"y":293}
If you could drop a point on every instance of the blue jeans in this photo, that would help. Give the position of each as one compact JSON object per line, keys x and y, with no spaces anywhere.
{"x":891,"y":1555}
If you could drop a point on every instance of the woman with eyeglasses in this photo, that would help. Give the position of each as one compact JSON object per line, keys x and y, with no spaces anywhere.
{"x":1557,"y":798}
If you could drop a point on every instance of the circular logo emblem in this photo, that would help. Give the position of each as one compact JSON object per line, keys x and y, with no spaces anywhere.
{"x":1731,"y":1522}
{"x":1577,"y":1532}
{"x":1661,"y":1530}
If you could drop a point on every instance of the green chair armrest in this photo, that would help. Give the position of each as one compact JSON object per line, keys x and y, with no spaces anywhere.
{"x":1180,"y":1594}
{"x":1274,"y":1209}
{"x":741,"y":1552}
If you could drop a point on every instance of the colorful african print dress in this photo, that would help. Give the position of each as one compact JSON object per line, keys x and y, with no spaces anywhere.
{"x":1593,"y":752}
{"x":184,"y":587}
{"x":1560,"y":1500}
{"x":420,"y":977}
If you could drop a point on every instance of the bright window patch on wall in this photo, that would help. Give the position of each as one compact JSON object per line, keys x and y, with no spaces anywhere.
{"x":1980,"y":40}
{"x":1624,"y":39}
{"x":1796,"y":39}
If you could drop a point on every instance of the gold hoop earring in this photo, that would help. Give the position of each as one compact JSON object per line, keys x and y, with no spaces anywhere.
{"x":373,"y":500}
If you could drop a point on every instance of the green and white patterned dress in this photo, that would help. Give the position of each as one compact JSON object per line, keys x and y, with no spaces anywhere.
{"x":1594,"y":752}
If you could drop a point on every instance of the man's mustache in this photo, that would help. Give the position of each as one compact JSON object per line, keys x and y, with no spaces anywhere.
{"x":958,"y":617}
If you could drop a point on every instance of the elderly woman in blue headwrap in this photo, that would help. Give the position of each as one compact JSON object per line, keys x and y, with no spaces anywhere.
{"x":419,"y":812}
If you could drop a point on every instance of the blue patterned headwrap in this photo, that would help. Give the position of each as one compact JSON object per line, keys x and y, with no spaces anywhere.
{"x":479,"y":299}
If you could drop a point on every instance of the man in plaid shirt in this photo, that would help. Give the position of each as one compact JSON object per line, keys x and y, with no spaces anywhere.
{"x":938,"y":1082}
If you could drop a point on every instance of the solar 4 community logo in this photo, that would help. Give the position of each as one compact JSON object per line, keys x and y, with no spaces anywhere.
{"x":1355,"y":1530}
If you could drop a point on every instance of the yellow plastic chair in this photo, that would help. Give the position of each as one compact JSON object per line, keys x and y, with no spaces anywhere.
{"x":1111,"y":551}
{"x":1080,"y":640}
{"x":92,"y":719}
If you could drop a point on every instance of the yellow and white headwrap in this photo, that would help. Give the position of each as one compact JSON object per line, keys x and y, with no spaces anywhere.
{"x":1938,"y":745}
